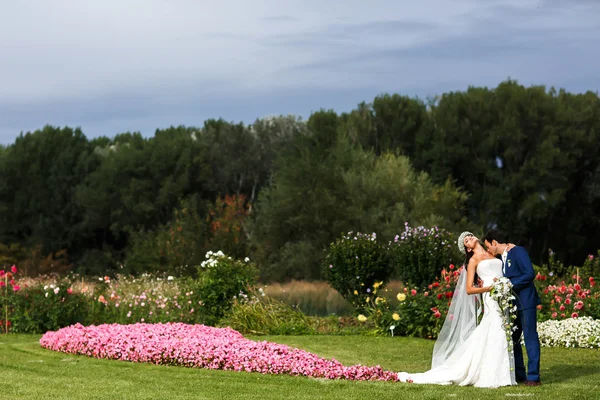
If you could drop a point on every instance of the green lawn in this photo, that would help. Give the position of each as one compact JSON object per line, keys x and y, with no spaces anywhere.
{"x":30,"y":372}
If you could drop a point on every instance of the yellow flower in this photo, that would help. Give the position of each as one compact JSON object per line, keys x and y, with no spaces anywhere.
{"x":401,"y":297}
{"x":362,"y":318}
{"x":395,"y":316}
{"x":356,"y":292}
{"x":377,"y":284}
{"x":379,"y":300}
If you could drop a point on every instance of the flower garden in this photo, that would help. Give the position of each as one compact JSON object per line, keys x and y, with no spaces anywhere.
{"x":204,"y":322}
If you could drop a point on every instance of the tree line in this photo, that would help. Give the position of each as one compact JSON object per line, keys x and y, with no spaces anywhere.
{"x":280,"y":190}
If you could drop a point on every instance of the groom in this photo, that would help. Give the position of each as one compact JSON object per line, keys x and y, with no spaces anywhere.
{"x":517,"y":267}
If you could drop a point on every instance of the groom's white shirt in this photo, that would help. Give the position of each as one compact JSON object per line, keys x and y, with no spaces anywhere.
{"x":504,"y":256}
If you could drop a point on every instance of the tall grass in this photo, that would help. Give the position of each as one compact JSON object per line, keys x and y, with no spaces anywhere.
{"x":318,"y":298}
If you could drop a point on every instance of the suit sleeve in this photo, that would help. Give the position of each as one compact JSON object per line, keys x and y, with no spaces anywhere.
{"x":521,"y":258}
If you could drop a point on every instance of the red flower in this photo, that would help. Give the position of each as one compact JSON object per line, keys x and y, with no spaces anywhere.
{"x":70,"y":290}
{"x":562,"y":308}
{"x":574,"y":315}
{"x":545,"y":291}
{"x":539,"y":307}
{"x":430,"y":287}
{"x":568,"y":301}
{"x":562,"y":315}
{"x":449,"y":295}
{"x":451,"y":266}
{"x":440,"y":296}
{"x":413,"y":292}
{"x":558,"y":299}
{"x":437,"y":314}
{"x":13,"y":269}
{"x":2,"y":284}
{"x":436,"y":284}
{"x":12,"y":282}
{"x":577,"y":286}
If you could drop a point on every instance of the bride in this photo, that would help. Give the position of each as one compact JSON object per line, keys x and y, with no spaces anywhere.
{"x":466,"y":353}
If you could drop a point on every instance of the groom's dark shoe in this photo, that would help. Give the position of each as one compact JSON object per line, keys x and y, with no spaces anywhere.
{"x":533,"y":383}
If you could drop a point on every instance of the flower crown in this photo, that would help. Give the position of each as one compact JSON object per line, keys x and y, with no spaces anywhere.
{"x":461,"y":241}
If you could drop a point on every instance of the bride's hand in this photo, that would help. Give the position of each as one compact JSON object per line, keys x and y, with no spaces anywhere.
{"x":488,"y":288}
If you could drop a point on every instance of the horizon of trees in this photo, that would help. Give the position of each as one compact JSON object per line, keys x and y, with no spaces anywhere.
{"x":521,"y":159}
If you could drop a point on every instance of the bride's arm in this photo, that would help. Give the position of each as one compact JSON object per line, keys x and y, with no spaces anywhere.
{"x":471,"y":277}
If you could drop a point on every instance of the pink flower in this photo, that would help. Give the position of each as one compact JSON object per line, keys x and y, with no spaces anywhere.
{"x":554,"y":315}
{"x":562,"y":308}
{"x":13,"y":269}
{"x":2,"y":273}
{"x":426,"y":294}
{"x":577,"y":286}
{"x":200,"y":346}
{"x":70,"y":290}
{"x":413,"y":292}
{"x":2,"y":284}
{"x":451,"y":266}
{"x":568,"y":301}
{"x":574,"y":315}
{"x":16,"y":288}
{"x":437,"y":314}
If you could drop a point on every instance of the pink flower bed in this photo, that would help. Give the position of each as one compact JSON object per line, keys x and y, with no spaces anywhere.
{"x":201,"y":346}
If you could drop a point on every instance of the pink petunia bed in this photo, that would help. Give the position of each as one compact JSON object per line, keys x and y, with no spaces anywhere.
{"x":201,"y":346}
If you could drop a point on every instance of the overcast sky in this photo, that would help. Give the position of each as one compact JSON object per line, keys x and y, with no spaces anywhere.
{"x":113,"y":66}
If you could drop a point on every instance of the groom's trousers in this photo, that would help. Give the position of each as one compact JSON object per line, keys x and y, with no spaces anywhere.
{"x":526,"y":324}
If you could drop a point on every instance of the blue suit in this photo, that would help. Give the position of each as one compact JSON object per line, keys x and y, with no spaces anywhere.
{"x":519,"y":270}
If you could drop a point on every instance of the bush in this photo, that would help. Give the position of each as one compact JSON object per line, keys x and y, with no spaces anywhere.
{"x":48,"y":308}
{"x":355,"y":264}
{"x":255,"y":313}
{"x":573,"y":296}
{"x":573,"y":332}
{"x":414,"y":312}
{"x":419,"y":254}
{"x":220,"y":280}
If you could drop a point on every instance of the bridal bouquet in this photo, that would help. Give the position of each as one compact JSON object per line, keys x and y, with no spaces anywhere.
{"x":502,"y":293}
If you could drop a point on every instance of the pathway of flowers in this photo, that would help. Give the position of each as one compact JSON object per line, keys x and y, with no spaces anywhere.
{"x":201,"y":346}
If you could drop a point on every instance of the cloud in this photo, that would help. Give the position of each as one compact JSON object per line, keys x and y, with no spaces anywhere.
{"x":112,"y":66}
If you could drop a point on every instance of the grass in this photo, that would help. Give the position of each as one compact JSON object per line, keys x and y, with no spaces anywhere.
{"x":30,"y":372}
{"x":318,"y":298}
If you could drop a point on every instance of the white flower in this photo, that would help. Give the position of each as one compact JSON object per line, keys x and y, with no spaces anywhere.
{"x":46,"y":287}
{"x":246,"y":259}
{"x":56,"y":290}
{"x":572,"y":332}
{"x":170,"y":278}
{"x":46,"y":294}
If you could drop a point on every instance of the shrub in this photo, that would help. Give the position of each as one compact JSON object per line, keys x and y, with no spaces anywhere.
{"x":255,"y":313}
{"x":573,"y":332}
{"x":417,"y":312}
{"x":354,"y":264}
{"x":574,"y":296}
{"x":49,"y":308}
{"x":220,"y":279}
{"x":419,"y":254}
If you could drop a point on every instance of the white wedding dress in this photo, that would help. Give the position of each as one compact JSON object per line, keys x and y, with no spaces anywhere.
{"x":483,"y":359}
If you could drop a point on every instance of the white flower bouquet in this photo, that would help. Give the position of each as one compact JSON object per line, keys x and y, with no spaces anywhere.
{"x":502,"y":293}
